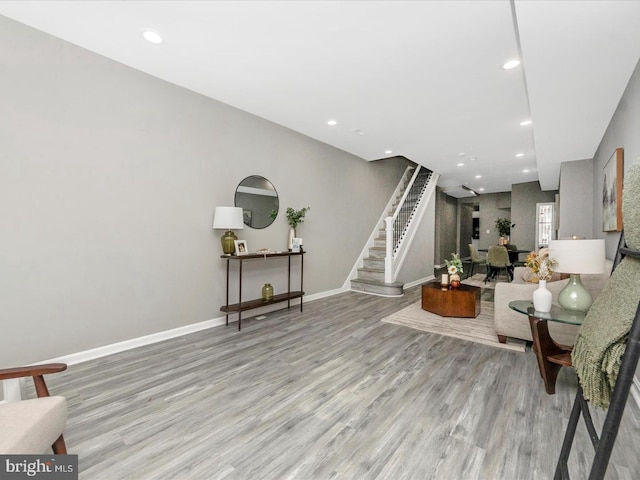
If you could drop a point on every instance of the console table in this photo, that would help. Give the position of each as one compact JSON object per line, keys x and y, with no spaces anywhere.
{"x":259,"y":302}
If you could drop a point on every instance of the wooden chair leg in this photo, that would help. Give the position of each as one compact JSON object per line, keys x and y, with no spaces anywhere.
{"x":59,"y":447}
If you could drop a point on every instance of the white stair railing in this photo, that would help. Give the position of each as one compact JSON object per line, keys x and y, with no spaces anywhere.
{"x":396,"y":252}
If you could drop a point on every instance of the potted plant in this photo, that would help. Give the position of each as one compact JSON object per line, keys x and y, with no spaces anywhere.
{"x":504,"y":226}
{"x":295,"y":218}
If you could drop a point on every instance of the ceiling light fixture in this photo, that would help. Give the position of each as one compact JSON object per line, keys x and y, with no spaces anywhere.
{"x":388,"y":152}
{"x":478,"y":176}
{"x":526,"y":170}
{"x":519,"y":154}
{"x":461,"y":164}
{"x":510,"y":64}
{"x":152,"y":37}
{"x":524,"y":123}
{"x":332,"y":122}
{"x":481,"y":189}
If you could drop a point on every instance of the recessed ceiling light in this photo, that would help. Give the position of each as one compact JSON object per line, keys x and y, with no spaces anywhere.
{"x":519,"y":154}
{"x":481,"y":189}
{"x":388,"y":152}
{"x":461,"y":164}
{"x":152,"y":37}
{"x":509,"y":64}
{"x":332,"y":122}
{"x":524,"y":123}
{"x":478,"y":176}
{"x":526,"y":170}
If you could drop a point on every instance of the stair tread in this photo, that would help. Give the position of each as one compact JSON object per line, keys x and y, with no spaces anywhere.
{"x":368,"y":269}
{"x":375,"y":282}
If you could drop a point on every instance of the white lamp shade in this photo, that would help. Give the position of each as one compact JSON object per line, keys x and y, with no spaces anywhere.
{"x":578,"y":256}
{"x":228,"y":218}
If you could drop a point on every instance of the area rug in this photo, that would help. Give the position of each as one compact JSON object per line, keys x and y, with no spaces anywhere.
{"x":478,"y":281}
{"x":479,"y":329}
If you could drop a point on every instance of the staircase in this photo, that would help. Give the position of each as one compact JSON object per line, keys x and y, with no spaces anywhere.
{"x":374,"y":276}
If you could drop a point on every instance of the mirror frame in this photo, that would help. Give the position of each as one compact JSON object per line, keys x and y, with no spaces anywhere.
{"x":248,"y":187}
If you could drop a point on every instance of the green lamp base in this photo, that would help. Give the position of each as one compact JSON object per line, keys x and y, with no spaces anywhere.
{"x":574,"y":296}
{"x":228,"y":245}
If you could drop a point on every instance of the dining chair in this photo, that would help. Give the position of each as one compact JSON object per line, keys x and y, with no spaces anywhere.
{"x":475,"y":260}
{"x":497,"y":260}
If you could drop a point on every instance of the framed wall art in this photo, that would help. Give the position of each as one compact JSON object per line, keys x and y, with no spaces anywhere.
{"x":612,"y":193}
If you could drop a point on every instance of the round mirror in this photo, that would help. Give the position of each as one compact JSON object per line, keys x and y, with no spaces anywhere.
{"x":258,"y":199}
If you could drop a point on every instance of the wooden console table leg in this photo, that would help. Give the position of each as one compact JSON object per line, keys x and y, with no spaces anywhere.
{"x":227,"y":311}
{"x":240,"y":295}
{"x":543,"y":345}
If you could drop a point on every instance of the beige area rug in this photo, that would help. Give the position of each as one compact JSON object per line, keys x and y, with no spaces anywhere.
{"x":478,"y":281}
{"x":479,"y":329}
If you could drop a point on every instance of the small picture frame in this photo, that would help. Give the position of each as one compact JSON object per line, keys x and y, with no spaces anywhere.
{"x":296,"y":245}
{"x":241,"y":247}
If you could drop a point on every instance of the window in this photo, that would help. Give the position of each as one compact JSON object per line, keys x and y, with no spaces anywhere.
{"x":545,"y":224}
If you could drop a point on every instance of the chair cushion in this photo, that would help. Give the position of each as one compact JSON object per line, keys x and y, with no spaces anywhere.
{"x":31,"y":426}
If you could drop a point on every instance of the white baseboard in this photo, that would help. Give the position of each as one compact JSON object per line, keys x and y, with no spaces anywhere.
{"x":420,"y":281}
{"x":12,"y":390}
{"x":94,"y":353}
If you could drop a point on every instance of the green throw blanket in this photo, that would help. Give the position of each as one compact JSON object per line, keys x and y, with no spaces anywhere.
{"x":602,"y":339}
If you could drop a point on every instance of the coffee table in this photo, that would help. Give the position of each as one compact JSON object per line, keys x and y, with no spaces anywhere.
{"x":463,"y":301}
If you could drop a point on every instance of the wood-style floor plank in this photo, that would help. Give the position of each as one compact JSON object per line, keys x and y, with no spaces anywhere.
{"x":328,"y":393}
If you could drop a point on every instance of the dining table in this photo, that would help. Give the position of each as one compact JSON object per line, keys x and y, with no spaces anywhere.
{"x":513,"y":259}
{"x":514,"y":255}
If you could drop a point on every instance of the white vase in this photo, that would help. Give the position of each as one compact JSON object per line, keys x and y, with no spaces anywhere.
{"x":292,"y":235}
{"x":542,"y":298}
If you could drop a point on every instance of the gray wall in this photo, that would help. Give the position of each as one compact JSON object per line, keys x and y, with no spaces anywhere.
{"x":623,"y":131}
{"x":576,"y":199}
{"x":109,"y":181}
{"x":524,"y":197}
{"x":492,"y":207}
{"x":446,"y":226}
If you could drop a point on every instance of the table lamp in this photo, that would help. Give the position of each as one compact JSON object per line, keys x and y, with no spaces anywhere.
{"x":228,"y":218}
{"x":576,"y":257}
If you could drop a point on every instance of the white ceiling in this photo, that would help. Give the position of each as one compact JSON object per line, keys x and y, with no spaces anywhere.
{"x":420,"y":78}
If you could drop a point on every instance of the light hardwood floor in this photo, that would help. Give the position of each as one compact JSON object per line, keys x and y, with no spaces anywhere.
{"x":328,"y":393}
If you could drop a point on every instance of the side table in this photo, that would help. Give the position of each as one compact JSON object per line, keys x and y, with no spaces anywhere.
{"x":551,"y":356}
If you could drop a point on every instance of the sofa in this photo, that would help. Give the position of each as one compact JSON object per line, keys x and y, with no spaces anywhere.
{"x":509,"y":323}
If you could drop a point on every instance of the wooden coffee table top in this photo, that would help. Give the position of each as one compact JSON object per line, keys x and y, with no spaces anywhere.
{"x":463,"y":301}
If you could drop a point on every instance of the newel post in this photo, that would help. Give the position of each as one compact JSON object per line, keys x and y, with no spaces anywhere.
{"x":388,"y":258}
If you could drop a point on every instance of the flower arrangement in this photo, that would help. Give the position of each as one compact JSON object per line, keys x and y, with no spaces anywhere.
{"x":454,"y":266}
{"x":540,"y":264}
